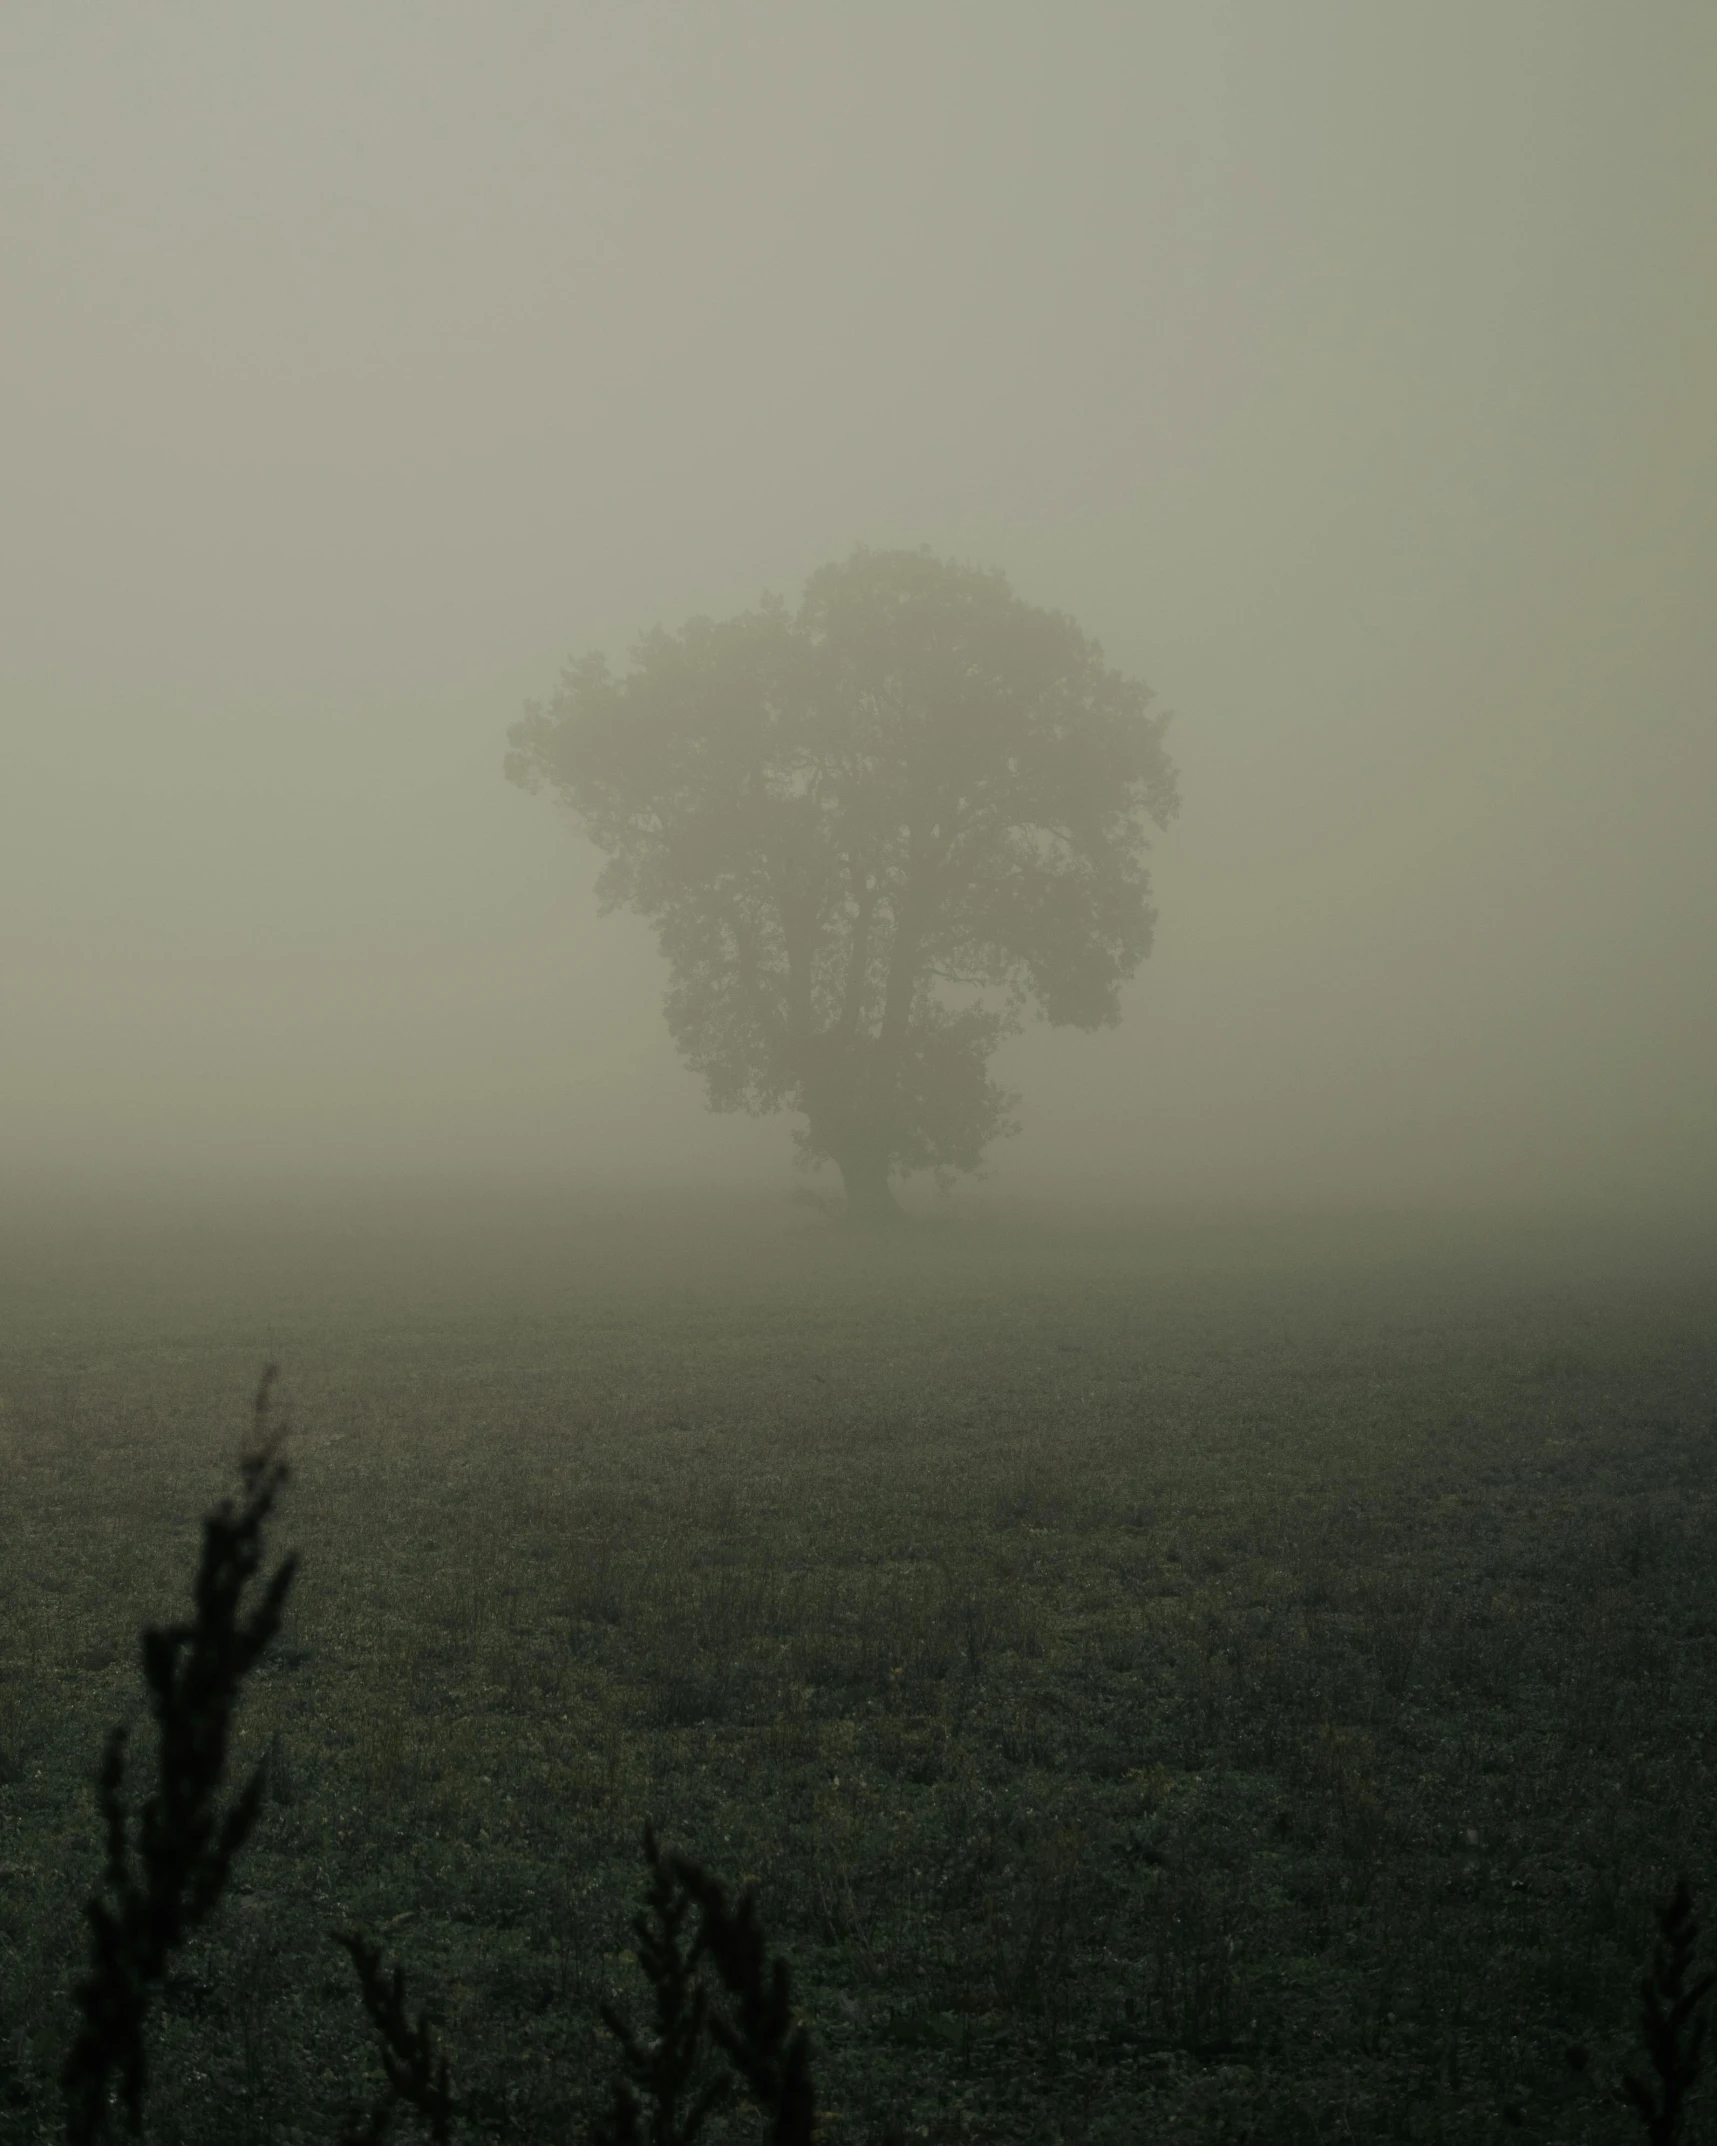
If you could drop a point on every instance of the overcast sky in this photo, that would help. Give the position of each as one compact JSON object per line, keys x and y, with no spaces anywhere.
{"x":1347,"y":370}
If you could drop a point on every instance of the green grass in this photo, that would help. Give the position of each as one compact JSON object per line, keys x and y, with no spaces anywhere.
{"x":1173,"y":1680}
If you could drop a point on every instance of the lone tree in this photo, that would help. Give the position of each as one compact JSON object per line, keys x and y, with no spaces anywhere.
{"x":870,"y":835}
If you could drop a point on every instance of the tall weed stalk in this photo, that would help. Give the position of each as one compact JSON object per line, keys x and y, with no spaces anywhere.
{"x":164,"y":1874}
{"x":1674,"y":2011}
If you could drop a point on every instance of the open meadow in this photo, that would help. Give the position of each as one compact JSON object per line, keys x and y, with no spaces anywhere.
{"x":1168,"y":1678}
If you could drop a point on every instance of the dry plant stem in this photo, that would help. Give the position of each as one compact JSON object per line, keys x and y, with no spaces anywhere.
{"x":770,"y":2053}
{"x":655,"y":2097}
{"x":416,"y":2072}
{"x":156,"y":1890}
{"x":1674,"y":2011}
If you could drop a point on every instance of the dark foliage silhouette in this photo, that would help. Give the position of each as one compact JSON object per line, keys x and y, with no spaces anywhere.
{"x":665,"y":2089}
{"x":161,"y":1883}
{"x":416,"y":2071}
{"x":1674,"y":2013}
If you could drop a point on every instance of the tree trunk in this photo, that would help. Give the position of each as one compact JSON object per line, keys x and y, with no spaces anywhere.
{"x":870,"y":1203}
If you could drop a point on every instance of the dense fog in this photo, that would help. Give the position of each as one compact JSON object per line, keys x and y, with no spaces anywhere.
{"x":1345,"y":371}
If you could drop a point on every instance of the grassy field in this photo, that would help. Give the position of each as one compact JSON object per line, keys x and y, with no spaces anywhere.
{"x":1169,"y":1679}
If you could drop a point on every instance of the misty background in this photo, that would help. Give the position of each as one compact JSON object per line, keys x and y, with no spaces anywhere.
{"x":1347,"y":371}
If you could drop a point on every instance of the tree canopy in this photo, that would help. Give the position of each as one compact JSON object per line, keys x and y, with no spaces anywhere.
{"x":871,"y":834}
